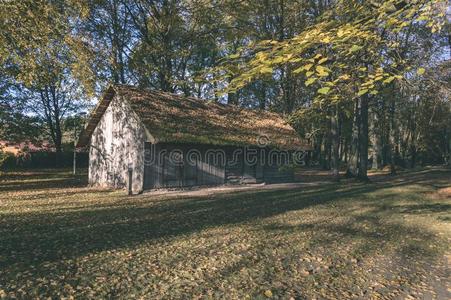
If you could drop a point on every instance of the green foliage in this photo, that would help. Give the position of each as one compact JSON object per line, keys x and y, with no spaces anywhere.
{"x":348,"y":54}
{"x":6,"y":158}
{"x":283,"y":56}
{"x":38,"y":44}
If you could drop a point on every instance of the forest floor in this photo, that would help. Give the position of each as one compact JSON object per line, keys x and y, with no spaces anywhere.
{"x":386,"y":239}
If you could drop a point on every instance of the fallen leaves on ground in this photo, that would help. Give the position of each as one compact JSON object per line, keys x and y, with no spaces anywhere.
{"x":385,"y":239}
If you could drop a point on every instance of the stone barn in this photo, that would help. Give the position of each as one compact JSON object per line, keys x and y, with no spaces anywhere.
{"x":168,"y":140}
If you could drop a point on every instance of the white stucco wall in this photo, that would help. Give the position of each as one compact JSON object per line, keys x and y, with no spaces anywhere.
{"x":116,"y":143}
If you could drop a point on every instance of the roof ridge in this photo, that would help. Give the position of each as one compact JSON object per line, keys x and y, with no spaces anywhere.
{"x":203,"y":100}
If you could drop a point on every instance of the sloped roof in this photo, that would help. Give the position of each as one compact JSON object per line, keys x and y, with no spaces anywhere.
{"x":178,"y":119}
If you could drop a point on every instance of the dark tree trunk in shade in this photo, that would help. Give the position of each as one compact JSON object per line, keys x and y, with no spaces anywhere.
{"x":391,"y":146}
{"x":353,"y":159}
{"x":363,"y":142}
{"x":376,"y":134}
{"x":335,"y":137}
{"x":53,"y":104}
{"x":328,"y":147}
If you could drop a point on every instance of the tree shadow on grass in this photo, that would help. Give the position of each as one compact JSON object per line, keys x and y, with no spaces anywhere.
{"x":61,"y":183}
{"x":124,"y":224}
{"x":34,"y":180}
{"x":35,"y":238}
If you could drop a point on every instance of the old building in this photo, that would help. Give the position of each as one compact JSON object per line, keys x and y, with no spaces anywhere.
{"x":167,"y":140}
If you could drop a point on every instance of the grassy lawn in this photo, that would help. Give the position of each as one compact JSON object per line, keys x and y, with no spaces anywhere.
{"x":386,"y":239}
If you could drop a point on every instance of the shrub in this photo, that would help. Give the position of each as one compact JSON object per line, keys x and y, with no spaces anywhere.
{"x":6,"y":158}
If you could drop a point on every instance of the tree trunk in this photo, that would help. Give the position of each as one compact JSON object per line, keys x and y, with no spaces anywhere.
{"x":384,"y":134}
{"x":363,"y":141}
{"x":58,"y":138}
{"x":345,"y":151}
{"x":335,"y":138}
{"x":413,"y":155}
{"x":328,"y":147}
{"x":391,"y":146}
{"x":117,"y":44}
{"x":50,"y":100}
{"x":413,"y":137}
{"x":232,"y":98}
{"x":353,"y":159}
{"x":376,"y":140}
{"x":448,"y":149}
{"x":262,"y":96}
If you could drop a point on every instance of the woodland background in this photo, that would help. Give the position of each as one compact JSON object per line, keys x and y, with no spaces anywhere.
{"x":357,"y":79}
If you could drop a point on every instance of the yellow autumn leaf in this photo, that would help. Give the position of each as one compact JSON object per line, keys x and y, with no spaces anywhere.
{"x":389,"y":79}
{"x":310,"y":81}
{"x":421,"y":71}
{"x":322,"y":71}
{"x":326,"y":40}
{"x":288,"y":56}
{"x":268,"y":293}
{"x":423,"y":18}
{"x":303,"y":68}
{"x":266,"y":70}
{"x":298,"y":70}
{"x":368,"y":83}
{"x":277,"y":60}
{"x":344,"y":77}
{"x":355,"y":48}
{"x":404,"y":24}
{"x":324,"y":90}
{"x":261,"y":56}
{"x":362,"y":92}
{"x":308,"y":67}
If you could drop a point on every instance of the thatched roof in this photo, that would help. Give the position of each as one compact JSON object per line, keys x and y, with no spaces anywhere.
{"x":178,"y":119}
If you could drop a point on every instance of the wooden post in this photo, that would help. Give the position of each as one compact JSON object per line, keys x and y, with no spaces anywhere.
{"x":75,"y":161}
{"x":75,"y":152}
{"x":130,"y":175}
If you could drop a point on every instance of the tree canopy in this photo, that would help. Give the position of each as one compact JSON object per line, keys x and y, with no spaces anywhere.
{"x":349,"y":75}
